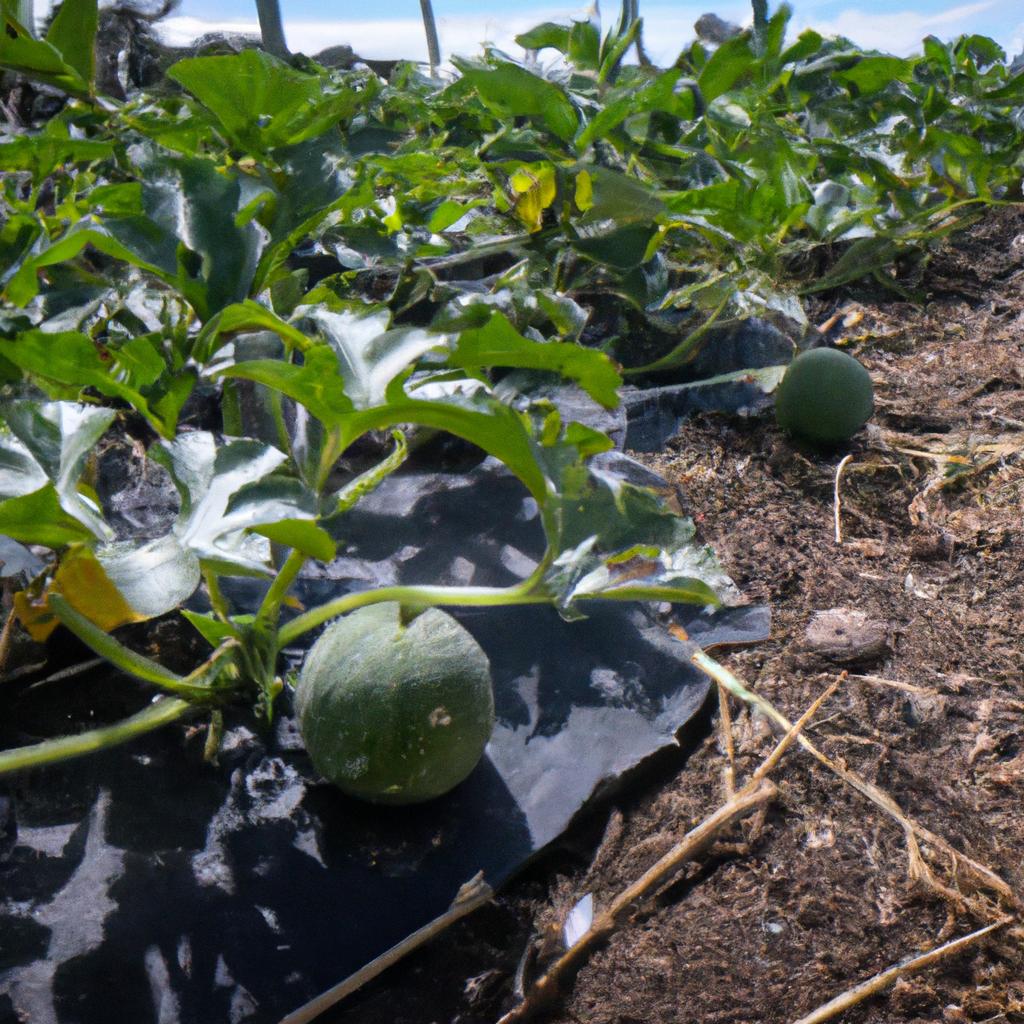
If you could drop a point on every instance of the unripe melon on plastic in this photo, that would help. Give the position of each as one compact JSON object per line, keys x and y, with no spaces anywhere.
{"x":391,"y":712}
{"x":824,"y":397}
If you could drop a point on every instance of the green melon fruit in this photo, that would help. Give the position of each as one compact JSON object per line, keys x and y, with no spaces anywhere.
{"x":825,"y":397}
{"x":391,"y":712}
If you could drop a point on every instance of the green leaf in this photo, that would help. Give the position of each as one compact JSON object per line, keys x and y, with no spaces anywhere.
{"x":70,"y":361}
{"x":620,"y":247}
{"x":498,"y":343}
{"x":938,"y":54}
{"x":874,"y":73}
{"x":189,"y":230}
{"x":619,"y":197}
{"x":241,"y":318}
{"x":775,"y":34}
{"x":301,"y":534}
{"x":547,"y":34}
{"x":728,"y":64}
{"x":38,"y":518}
{"x":475,"y":416}
{"x":23,"y":286}
{"x":370,"y":479}
{"x":216,"y":509}
{"x":52,"y":443}
{"x":316,"y":383}
{"x":43,"y":154}
{"x":863,"y":257}
{"x":185,"y":233}
{"x":621,"y":541}
{"x":618,"y":224}
{"x":34,"y":58}
{"x":647,"y":574}
{"x":807,"y":44}
{"x":449,"y":211}
{"x":615,"y":47}
{"x":659,"y":95}
{"x":153,"y":578}
{"x":584,"y":45}
{"x":73,"y":33}
{"x":370,"y":356}
{"x":262,"y":104}
{"x":511,"y":91}
{"x":212,"y":630}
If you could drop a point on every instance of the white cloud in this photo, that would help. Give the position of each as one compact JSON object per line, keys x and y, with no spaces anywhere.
{"x":898,"y":32}
{"x":666,"y":29}
{"x":1016,"y":44}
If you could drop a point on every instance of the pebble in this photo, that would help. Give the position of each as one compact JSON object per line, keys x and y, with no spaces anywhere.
{"x":846,"y":636}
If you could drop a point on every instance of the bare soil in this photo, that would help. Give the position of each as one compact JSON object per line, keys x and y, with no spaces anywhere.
{"x":817,"y":894}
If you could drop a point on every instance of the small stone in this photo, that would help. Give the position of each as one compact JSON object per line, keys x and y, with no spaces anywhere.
{"x":846,"y":636}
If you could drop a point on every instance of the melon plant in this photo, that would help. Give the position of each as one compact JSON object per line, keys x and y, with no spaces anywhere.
{"x":825,"y":397}
{"x":392,"y":711}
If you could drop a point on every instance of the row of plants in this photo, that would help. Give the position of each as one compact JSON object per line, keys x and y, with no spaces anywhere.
{"x":419,"y":256}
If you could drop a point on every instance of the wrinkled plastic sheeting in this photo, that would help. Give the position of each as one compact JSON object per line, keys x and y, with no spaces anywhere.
{"x":179,"y":891}
{"x":715,"y":381}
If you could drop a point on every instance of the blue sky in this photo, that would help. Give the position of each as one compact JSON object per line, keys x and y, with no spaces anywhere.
{"x":392,"y":28}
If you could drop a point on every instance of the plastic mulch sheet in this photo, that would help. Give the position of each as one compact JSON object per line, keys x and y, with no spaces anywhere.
{"x":147,"y":885}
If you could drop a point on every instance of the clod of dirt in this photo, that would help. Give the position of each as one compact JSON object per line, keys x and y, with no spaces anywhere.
{"x":932,"y":545}
{"x":847,"y":636}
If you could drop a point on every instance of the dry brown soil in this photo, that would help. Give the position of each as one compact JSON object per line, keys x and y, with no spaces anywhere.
{"x":817,"y":894}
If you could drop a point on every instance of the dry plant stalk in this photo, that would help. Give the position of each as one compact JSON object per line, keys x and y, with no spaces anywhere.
{"x":725,"y":729}
{"x":912,"y":829}
{"x":5,"y":640}
{"x":471,"y":895}
{"x":894,"y":684}
{"x":881,"y":981}
{"x":836,"y":507}
{"x":548,"y":987}
{"x":754,"y":795}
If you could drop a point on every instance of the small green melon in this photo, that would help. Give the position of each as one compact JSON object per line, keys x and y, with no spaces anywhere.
{"x":825,"y":397}
{"x":392,"y":712}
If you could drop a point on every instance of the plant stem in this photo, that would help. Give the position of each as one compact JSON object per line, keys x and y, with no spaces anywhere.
{"x":217,"y":600}
{"x":161,"y":712}
{"x":685,"y":350}
{"x":122,"y":657}
{"x":271,"y":606}
{"x":420,"y":596}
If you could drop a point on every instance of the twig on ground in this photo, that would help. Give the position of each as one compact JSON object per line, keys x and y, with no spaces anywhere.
{"x":725,"y":730}
{"x":882,"y":981}
{"x":754,"y":796}
{"x":5,"y":639}
{"x":795,"y":731}
{"x":68,"y":673}
{"x":474,"y":893}
{"x":836,"y":508}
{"x":547,"y":988}
{"x":912,"y":830}
{"x":894,"y":683}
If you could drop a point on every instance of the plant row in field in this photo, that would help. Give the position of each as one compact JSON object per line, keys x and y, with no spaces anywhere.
{"x":359,"y":256}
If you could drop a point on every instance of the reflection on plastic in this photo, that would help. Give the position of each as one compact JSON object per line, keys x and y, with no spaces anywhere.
{"x":243,"y":890}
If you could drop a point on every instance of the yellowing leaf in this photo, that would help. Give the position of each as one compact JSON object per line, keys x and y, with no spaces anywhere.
{"x":534,"y":191}
{"x":584,"y":191}
{"x":86,"y":587}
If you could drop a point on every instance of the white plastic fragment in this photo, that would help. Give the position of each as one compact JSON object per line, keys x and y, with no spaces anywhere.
{"x":578,"y":923}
